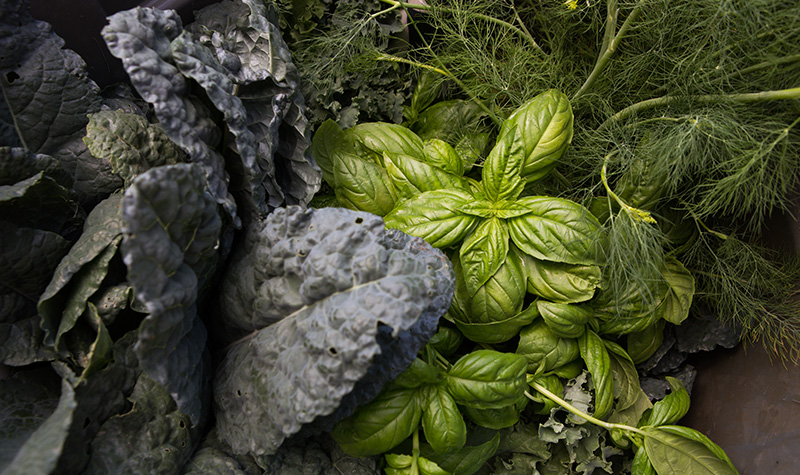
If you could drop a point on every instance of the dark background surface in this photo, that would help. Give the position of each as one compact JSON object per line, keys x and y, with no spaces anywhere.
{"x":744,"y":401}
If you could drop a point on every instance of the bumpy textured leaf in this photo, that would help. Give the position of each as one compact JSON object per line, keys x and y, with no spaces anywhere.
{"x":353,"y":302}
{"x":47,"y":93}
{"x":543,"y":131}
{"x":81,"y":272}
{"x":170,"y":242}
{"x":34,"y":421}
{"x":129,"y":143}
{"x":17,"y":164}
{"x":141,"y":38}
{"x":434,"y":216}
{"x":543,"y":349}
{"x":154,"y":437}
{"x":556,"y":230}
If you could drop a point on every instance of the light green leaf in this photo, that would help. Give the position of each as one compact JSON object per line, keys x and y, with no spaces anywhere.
{"x":329,"y":140}
{"x":553,"y":383}
{"x":501,"y":170}
{"x":627,"y":310}
{"x":543,"y":128}
{"x":544,"y":350}
{"x":556,"y":230}
{"x":641,"y":464}
{"x":483,"y":252}
{"x":675,"y":449}
{"x":380,"y":425}
{"x":496,"y":419}
{"x":411,"y":176}
{"x":487,"y":379}
{"x":442,"y":422}
{"x":442,"y":155}
{"x":382,"y":137}
{"x":362,"y":185}
{"x":434,"y":216}
{"x":675,"y":306}
{"x":565,"y":320}
{"x":671,"y":409}
{"x":401,"y":464}
{"x":626,"y":378}
{"x":418,"y":374}
{"x":595,"y":355}
{"x":559,"y":282}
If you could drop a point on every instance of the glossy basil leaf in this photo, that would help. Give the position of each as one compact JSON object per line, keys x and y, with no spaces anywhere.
{"x":678,"y":300}
{"x":442,"y":155}
{"x":501,"y":170}
{"x":483,"y":252}
{"x":446,"y":341}
{"x":559,"y":282}
{"x":425,"y":92}
{"x":468,"y":459}
{"x":556,"y":230}
{"x":544,"y":350}
{"x":442,"y":422}
{"x":496,"y":419}
{"x":553,"y":384}
{"x":630,"y":417}
{"x":479,"y":208}
{"x":676,"y":449}
{"x":487,"y":379}
{"x":595,"y":355}
{"x":329,"y":140}
{"x":434,"y":217}
{"x":570,"y":370}
{"x":496,"y":330}
{"x":382,"y":137}
{"x":362,"y":185}
{"x":449,"y":120}
{"x":643,"y":344}
{"x":641,"y":464}
{"x":627,"y":311}
{"x":565,"y":320}
{"x":626,"y":377}
{"x":543,"y":132}
{"x":671,"y":409}
{"x":418,"y":374}
{"x":411,"y":176}
{"x":404,"y":465}
{"x":378,"y":426}
{"x":643,"y":184}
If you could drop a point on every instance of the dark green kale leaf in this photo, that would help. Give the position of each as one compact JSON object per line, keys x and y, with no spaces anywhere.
{"x":170,"y":242}
{"x":353,"y":303}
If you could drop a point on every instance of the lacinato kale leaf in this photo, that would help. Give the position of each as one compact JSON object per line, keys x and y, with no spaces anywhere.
{"x":353,"y":303}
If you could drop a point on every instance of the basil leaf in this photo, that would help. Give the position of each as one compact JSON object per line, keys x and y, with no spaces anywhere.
{"x":643,"y":344}
{"x":483,"y":252}
{"x":544,"y":350}
{"x":434,"y":217}
{"x":500,"y":178}
{"x":674,"y":449}
{"x":543,"y":131}
{"x":403,"y":465}
{"x":496,"y":419}
{"x":381,"y":424}
{"x":487,"y":379}
{"x":671,"y":409}
{"x":382,"y":137}
{"x":411,"y":176}
{"x":467,"y":460}
{"x":442,"y":155}
{"x":329,"y":140}
{"x":556,"y":230}
{"x":442,"y":422}
{"x":497,"y":331}
{"x":626,"y":377}
{"x":641,"y":464}
{"x":675,"y":306}
{"x":479,"y":209}
{"x":627,"y":311}
{"x":565,"y":320}
{"x":559,"y":282}
{"x":595,"y":355}
{"x":362,"y":185}
{"x":446,"y":340}
{"x":417,"y":374}
{"x":553,"y":384}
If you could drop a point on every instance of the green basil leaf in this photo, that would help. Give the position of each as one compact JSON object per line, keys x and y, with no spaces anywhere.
{"x":553,"y":384}
{"x":411,"y":176}
{"x":449,"y":120}
{"x":565,"y":320}
{"x":418,"y":374}
{"x":626,"y":377}
{"x":642,"y":184}
{"x":559,"y":282}
{"x":487,"y":379}
{"x":594,"y":354}
{"x":556,"y":230}
{"x":442,"y":155}
{"x":483,"y":252}
{"x":425,"y":92}
{"x":442,"y":422}
{"x":434,"y":217}
{"x":641,"y":464}
{"x":675,"y":449}
{"x":544,"y":350}
{"x":446,"y":340}
{"x":402,"y":465}
{"x":627,"y":311}
{"x":479,"y":208}
{"x":381,"y":424}
{"x":501,"y":170}
{"x":497,"y":331}
{"x":675,"y":306}
{"x":329,"y":140}
{"x":543,"y":131}
{"x":362,"y":185}
{"x":382,"y":137}
{"x":467,"y":460}
{"x":496,"y":419}
{"x":570,"y":370}
{"x":671,"y":409}
{"x":643,"y":344}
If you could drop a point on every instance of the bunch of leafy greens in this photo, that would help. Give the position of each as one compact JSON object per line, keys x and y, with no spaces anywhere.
{"x":124,"y":222}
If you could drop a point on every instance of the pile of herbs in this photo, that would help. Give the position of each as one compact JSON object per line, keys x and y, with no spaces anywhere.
{"x":570,"y":185}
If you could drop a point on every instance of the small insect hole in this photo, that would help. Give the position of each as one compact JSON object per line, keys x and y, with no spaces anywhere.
{"x":11,"y":76}
{"x":239,"y":393}
{"x":333,"y":351}
{"x":359,"y":220}
{"x":182,"y":425}
{"x":302,"y":253}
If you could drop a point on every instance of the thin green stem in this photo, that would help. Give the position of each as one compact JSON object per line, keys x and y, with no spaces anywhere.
{"x":611,"y":48}
{"x":612,"y":12}
{"x":636,"y":213}
{"x":758,"y":67}
{"x":607,"y":425}
{"x":415,"y":454}
{"x":526,"y":36}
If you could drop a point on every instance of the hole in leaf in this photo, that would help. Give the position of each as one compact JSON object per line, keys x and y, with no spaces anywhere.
{"x":239,"y":393}
{"x":301,"y":253}
{"x":359,"y":220}
{"x":11,"y":76}
{"x":182,"y":425}
{"x":333,"y":351}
